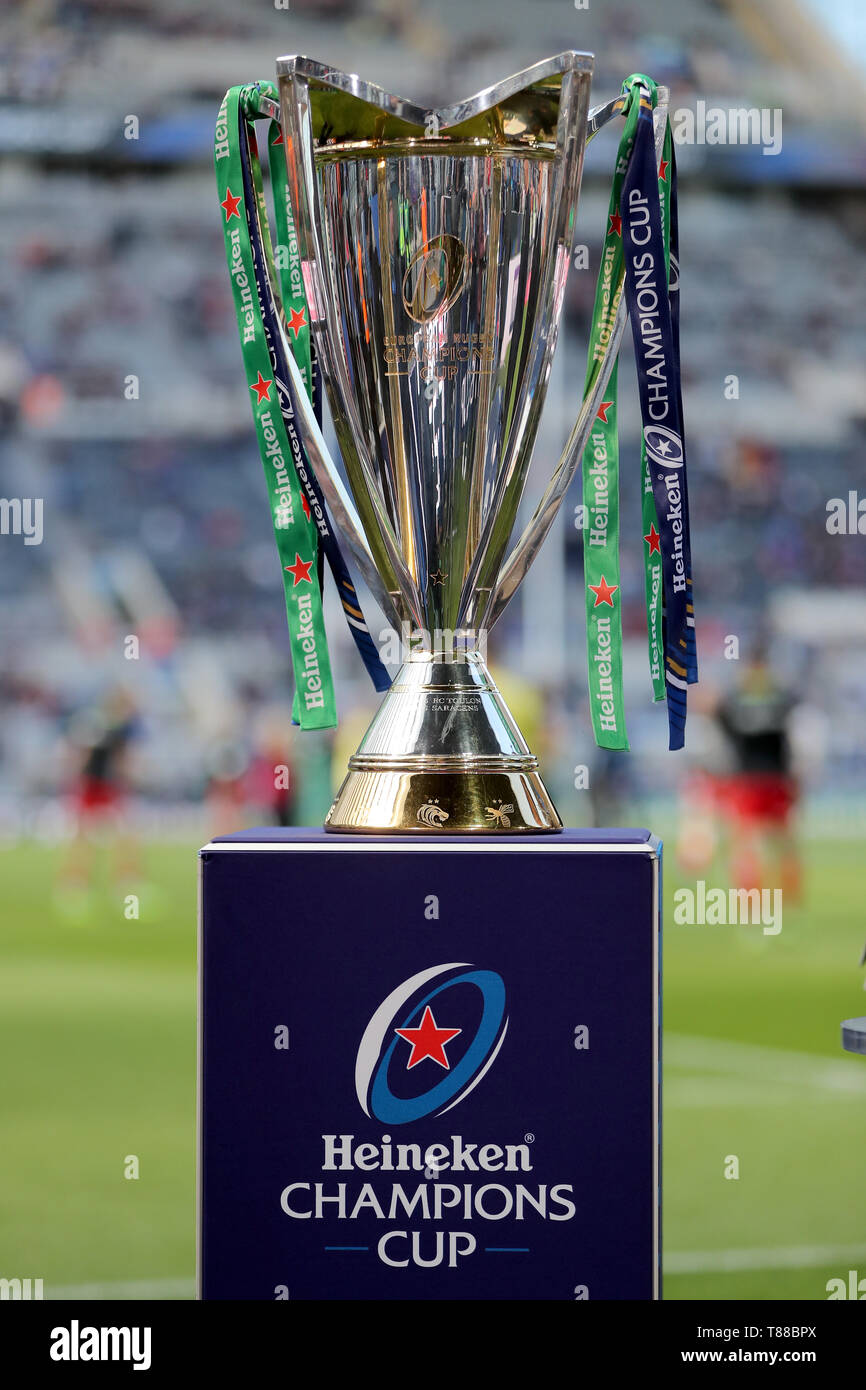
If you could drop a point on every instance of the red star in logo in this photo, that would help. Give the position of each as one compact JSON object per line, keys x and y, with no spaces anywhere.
{"x":653,"y":540}
{"x":428,"y":1041}
{"x":604,"y":592}
{"x":602,"y":411}
{"x":231,"y":205}
{"x":615,"y":224}
{"x":278,"y":138}
{"x":300,"y":571}
{"x":297,"y":320}
{"x":262,"y":389}
{"x":663,"y":169}
{"x":306,"y":506}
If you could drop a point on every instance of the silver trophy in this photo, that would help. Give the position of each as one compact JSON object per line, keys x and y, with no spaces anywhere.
{"x":436,"y":246}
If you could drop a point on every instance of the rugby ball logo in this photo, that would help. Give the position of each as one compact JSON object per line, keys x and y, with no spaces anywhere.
{"x":430,"y":1043}
{"x":664,"y":446}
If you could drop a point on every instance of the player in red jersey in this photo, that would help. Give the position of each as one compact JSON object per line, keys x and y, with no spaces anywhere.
{"x":758,"y":798}
{"x":99,"y":797}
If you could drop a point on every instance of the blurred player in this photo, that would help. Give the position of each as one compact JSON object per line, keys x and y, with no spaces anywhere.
{"x":272,"y":780}
{"x":226,"y":762}
{"x":101,"y":741}
{"x":758,"y":799}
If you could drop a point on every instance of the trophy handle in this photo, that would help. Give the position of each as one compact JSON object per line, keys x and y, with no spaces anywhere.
{"x":382,"y":546}
{"x":340,"y":504}
{"x":514,"y":569}
{"x":337,"y":496}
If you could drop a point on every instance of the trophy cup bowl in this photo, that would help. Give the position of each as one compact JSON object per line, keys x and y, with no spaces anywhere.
{"x":435,"y":247}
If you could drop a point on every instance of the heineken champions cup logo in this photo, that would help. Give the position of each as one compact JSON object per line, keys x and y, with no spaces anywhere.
{"x":430,"y":1043}
{"x":435,"y":278}
{"x":664,"y":446}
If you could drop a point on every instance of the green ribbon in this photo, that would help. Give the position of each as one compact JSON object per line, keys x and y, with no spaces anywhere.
{"x":600,"y":477}
{"x":314,"y":705}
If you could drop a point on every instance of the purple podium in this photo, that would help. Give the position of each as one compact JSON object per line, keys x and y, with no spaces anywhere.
{"x":429,"y":1068}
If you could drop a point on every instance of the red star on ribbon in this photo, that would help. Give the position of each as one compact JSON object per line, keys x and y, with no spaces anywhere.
{"x":297,"y":320}
{"x":262,"y":389}
{"x":428,"y":1041}
{"x":602,"y":411}
{"x":653,"y":540}
{"x":231,"y":205}
{"x":306,"y":506}
{"x":663,"y":169}
{"x":615,"y":224}
{"x":604,"y":592}
{"x":300,"y":571}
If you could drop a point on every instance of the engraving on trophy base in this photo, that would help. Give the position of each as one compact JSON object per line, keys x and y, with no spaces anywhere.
{"x":448,"y":803}
{"x":443,"y":756}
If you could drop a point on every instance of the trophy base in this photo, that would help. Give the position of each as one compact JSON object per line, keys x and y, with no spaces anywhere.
{"x":443,"y":756}
{"x":413,"y":803}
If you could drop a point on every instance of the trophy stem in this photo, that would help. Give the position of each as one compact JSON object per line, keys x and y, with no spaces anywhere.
{"x":443,"y":754}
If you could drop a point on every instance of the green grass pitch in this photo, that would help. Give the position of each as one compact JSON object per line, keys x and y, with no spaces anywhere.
{"x":97,"y":1029}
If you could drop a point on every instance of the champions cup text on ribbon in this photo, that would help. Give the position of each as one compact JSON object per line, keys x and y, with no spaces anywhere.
{"x":267,"y":318}
{"x":641,"y":237}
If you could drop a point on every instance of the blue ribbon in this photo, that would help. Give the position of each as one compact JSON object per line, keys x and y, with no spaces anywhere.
{"x":674,"y":294}
{"x":655,"y":332}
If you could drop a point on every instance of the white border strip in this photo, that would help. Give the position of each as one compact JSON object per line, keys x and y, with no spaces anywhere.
{"x":657,"y":1086}
{"x":199,"y":1077}
{"x":361,"y":844}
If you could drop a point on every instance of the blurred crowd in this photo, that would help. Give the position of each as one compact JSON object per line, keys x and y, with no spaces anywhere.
{"x":122,"y":402}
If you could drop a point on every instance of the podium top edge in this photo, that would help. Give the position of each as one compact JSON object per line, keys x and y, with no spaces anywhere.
{"x":273,"y":838}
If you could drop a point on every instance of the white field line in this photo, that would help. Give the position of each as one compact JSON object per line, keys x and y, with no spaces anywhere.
{"x":675,"y":1262}
{"x":124,"y":1289}
{"x":779,"y":1257}
{"x":715,"y":1071}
